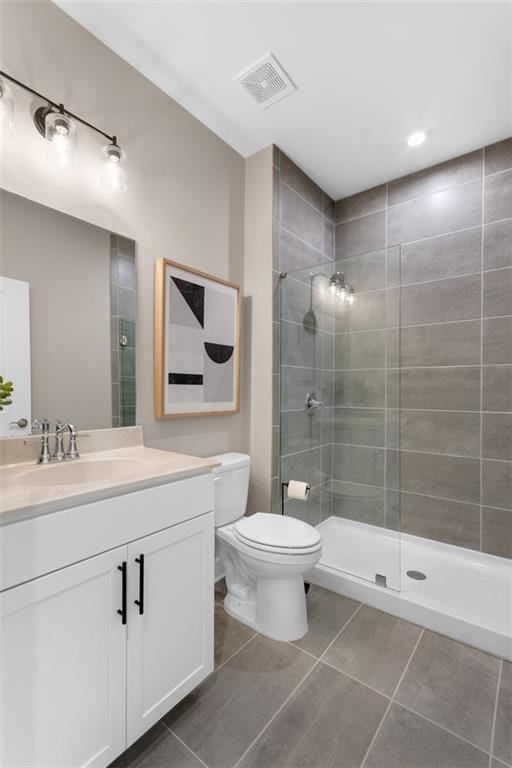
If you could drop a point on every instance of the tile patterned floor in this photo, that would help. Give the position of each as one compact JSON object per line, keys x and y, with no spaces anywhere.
{"x":363,"y":689}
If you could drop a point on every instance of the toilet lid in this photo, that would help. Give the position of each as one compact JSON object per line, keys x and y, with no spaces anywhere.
{"x":277,"y":531}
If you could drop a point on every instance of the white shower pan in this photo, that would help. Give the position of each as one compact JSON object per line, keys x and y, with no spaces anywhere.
{"x":466,"y":595}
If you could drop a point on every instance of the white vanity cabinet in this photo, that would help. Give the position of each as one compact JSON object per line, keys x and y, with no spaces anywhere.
{"x":93,"y":653}
{"x":170,"y":644}
{"x":64,"y":667}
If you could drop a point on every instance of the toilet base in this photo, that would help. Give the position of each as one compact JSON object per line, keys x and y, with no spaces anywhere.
{"x":243,"y":612}
{"x":266,"y":588}
{"x":278,"y":610}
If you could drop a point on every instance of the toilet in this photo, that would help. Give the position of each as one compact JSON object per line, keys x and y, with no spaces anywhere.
{"x":265,"y":556}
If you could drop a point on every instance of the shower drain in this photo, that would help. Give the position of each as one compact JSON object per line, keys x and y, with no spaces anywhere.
{"x":417,"y":575}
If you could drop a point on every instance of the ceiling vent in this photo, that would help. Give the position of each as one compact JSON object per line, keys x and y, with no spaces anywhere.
{"x":266,"y":81}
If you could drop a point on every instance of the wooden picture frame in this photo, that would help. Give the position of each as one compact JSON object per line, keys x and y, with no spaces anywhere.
{"x":197,"y":343}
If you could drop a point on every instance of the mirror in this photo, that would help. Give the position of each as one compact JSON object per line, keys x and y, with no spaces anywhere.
{"x":67,"y":320}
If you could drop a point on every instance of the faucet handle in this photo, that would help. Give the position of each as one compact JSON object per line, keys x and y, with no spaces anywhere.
{"x":42,"y":424}
{"x":72,"y":452}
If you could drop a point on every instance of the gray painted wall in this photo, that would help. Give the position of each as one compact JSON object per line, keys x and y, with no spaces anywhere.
{"x":185,"y":196}
{"x":257,"y":356}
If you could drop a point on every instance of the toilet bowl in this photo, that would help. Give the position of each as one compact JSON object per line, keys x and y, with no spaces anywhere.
{"x":264,"y":556}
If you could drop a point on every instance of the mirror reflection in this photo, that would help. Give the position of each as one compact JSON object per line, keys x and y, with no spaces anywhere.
{"x":67,"y":320}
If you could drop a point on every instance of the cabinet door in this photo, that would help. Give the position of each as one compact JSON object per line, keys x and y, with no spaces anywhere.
{"x":170,"y":644}
{"x":63,"y":668}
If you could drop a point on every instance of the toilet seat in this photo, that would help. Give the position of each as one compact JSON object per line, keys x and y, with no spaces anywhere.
{"x":279,"y":534}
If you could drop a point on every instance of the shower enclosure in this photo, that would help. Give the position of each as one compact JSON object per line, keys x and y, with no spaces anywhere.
{"x":341,"y":351}
{"x":340,"y":408}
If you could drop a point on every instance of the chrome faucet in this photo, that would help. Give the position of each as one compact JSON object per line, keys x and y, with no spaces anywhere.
{"x":59,"y":454}
{"x":72,"y":452}
{"x":44,"y":426}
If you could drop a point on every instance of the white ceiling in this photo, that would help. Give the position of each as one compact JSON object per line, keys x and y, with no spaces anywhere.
{"x":367,"y":75}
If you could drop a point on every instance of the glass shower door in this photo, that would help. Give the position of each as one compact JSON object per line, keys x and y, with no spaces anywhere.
{"x":340,"y":343}
{"x":307,"y":389}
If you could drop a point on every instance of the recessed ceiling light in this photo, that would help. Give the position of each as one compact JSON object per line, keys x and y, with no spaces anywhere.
{"x":417,"y":138}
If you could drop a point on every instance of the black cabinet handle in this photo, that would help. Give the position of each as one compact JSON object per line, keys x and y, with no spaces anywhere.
{"x":122,"y":611}
{"x":140,"y":601}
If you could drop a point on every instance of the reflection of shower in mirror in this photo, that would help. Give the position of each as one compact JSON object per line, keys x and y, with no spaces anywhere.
{"x":340,"y":288}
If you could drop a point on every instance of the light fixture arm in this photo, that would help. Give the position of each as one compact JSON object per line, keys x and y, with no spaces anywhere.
{"x":57,"y":106}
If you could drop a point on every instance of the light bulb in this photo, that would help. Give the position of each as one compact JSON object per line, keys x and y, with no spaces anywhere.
{"x":61,"y":132}
{"x":114,"y":171}
{"x":350,"y":299}
{"x":6,"y":109}
{"x":333,"y":288}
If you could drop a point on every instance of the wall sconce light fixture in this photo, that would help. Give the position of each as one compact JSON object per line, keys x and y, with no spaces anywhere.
{"x":59,"y":130}
{"x":59,"y":127}
{"x":114,"y":171}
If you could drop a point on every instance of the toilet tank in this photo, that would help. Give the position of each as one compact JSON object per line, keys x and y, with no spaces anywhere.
{"x":231,"y":486}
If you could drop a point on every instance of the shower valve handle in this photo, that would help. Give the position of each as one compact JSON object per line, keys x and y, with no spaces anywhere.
{"x":312,"y":403}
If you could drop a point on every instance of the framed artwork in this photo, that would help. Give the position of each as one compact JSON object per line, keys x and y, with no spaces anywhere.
{"x":197,"y":343}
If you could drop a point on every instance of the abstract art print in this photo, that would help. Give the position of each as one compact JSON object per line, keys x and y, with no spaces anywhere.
{"x":197,"y":340}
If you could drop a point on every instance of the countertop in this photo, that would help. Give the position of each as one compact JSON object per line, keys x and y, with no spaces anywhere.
{"x":145,"y":467}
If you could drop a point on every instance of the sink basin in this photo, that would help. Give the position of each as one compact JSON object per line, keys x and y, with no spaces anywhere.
{"x":77,"y":472}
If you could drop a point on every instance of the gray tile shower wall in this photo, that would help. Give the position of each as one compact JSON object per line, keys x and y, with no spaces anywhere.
{"x":366,"y":394}
{"x":303,"y":236}
{"x":453,"y":223}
